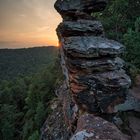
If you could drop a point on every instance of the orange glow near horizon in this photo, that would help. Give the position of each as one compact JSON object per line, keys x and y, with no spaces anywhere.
{"x":28,"y":23}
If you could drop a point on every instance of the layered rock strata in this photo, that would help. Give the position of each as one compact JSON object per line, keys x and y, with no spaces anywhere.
{"x":88,"y":126}
{"x":94,"y":72}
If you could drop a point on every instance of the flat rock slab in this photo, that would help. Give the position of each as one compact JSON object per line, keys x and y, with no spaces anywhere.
{"x":90,"y":127}
{"x":94,"y":65}
{"x":91,"y":46}
{"x":107,"y":82}
{"x":80,"y":28}
{"x":69,"y":7}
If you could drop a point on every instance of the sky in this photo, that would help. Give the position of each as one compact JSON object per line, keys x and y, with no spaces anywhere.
{"x":28,"y":23}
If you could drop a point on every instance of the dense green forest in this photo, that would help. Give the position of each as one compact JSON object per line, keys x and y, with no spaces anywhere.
{"x":24,"y":99}
{"x":20,"y":62}
{"x":121,"y":20}
{"x":30,"y":76}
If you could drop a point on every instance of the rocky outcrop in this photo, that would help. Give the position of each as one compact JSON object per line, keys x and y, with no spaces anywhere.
{"x":91,"y":63}
{"x":64,"y":123}
{"x":94,"y":72}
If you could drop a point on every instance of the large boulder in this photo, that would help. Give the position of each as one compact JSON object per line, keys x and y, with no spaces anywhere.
{"x":90,"y":127}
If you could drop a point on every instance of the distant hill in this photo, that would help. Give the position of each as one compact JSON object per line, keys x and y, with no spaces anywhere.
{"x":18,"y":62}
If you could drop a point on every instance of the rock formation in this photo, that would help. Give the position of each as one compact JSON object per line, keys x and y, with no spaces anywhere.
{"x":94,"y":72}
{"x":93,"y":69}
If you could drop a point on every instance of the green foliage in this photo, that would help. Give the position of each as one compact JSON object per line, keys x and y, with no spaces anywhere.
{"x":119,"y":16}
{"x":27,"y":128}
{"x":121,"y":20}
{"x":132,"y":41}
{"x":34,"y":136}
{"x":137,"y":25}
{"x":40,"y":114}
{"x":24,"y":102}
{"x":7,"y":127}
{"x":23,"y":62}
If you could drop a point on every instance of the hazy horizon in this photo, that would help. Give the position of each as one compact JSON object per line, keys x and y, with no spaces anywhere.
{"x":30,"y":47}
{"x":27,"y":23}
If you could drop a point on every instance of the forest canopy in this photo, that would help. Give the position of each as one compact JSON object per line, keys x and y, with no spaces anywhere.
{"x":121,"y":20}
{"x":26,"y":90}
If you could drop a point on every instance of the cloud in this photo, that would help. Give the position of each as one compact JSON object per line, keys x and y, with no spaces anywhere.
{"x":28,"y":19}
{"x":42,"y":28}
{"x":22,"y":15}
{"x":8,"y":42}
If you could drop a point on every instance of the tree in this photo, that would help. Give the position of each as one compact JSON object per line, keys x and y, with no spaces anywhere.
{"x":40,"y":114}
{"x":7,"y":122}
{"x":35,"y":136}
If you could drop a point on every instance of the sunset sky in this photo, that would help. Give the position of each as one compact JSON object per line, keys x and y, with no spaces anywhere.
{"x":28,"y":23}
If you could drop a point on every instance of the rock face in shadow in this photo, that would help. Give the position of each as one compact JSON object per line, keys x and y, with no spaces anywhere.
{"x":91,"y":64}
{"x":92,"y":67}
{"x":66,"y":122}
{"x":104,"y":64}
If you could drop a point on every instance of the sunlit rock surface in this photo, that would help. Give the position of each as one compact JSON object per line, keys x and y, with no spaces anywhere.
{"x":91,"y":47}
